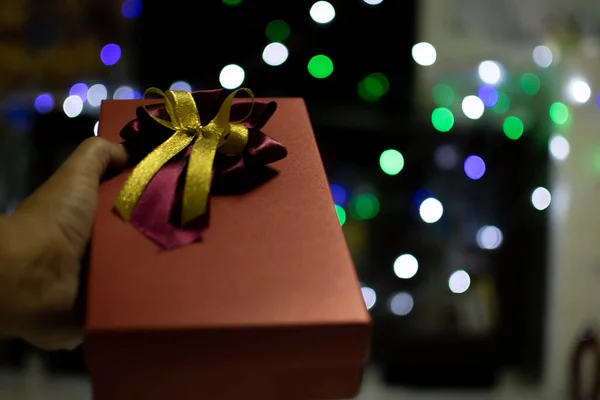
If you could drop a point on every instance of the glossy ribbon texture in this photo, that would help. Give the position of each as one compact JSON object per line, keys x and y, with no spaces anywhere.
{"x":166,"y":196}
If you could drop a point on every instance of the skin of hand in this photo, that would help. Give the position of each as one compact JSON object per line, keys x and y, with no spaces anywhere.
{"x":42,"y":245}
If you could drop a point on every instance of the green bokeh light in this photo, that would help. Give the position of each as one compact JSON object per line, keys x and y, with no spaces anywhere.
{"x":391,"y":162}
{"x":341,"y":213}
{"x":443,"y":95}
{"x":442,"y":119}
{"x":232,"y":2}
{"x":320,"y":66}
{"x":513,"y":128}
{"x":373,"y":87}
{"x":530,"y":83}
{"x":503,"y":103}
{"x":364,"y":206}
{"x":278,"y":31}
{"x":559,"y":113}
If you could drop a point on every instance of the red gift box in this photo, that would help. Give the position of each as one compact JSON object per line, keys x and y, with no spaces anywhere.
{"x":266,"y":306}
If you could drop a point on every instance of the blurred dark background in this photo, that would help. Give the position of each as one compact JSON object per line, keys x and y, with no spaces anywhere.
{"x":437,"y":209}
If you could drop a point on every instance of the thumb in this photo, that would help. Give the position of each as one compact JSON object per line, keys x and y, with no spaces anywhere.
{"x":94,"y":157}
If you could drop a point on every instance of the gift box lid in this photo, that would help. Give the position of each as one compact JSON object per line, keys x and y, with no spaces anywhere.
{"x":273,"y":256}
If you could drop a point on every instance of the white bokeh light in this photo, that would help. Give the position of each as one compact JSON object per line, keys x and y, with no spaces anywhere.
{"x":401,"y":304}
{"x":490,"y":72}
{"x":489,"y":237}
{"x":473,"y":107}
{"x":275,"y":54}
{"x":459,"y":282}
{"x":578,"y":91}
{"x":373,"y":2}
{"x":322,"y":12}
{"x":424,"y":54}
{"x":96,"y":93}
{"x":124,"y":93}
{"x":181,"y":85}
{"x":73,"y":106}
{"x":541,"y":198}
{"x":232,"y":76}
{"x":431,"y":210}
{"x":96,"y":126}
{"x":406,"y":266}
{"x":542,"y":56}
{"x":369,"y":296}
{"x":559,"y":147}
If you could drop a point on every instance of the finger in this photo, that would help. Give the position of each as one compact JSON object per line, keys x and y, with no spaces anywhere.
{"x":95,"y":156}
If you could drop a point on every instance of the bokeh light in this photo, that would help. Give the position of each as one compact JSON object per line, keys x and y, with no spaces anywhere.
{"x":131,"y":8}
{"x":431,"y":210}
{"x":369,"y":296}
{"x":446,"y":156}
{"x":424,"y":54}
{"x":232,"y":2}
{"x":44,"y":103}
{"x":232,"y":76}
{"x":401,"y":304}
{"x":443,"y":95}
{"x":278,"y":31}
{"x":339,"y":194}
{"x":110,"y":54}
{"x":513,"y":127}
{"x":542,"y":56}
{"x":473,"y":107}
{"x":373,"y":87}
{"x":578,"y":90}
{"x":541,"y":198}
{"x":320,"y":66}
{"x":474,"y":167}
{"x":391,"y":162}
{"x":406,"y":266}
{"x":530,"y":83}
{"x":559,"y":113}
{"x":96,"y":93}
{"x":459,"y":282}
{"x":341,"y":213}
{"x":503,"y":103}
{"x":124,"y":93}
{"x":322,"y":12}
{"x":490,"y":72}
{"x":442,"y":119}
{"x":72,"y":106}
{"x":364,"y":206}
{"x":488,"y":95}
{"x":181,"y":85}
{"x":275,"y":54}
{"x":79,"y":89}
{"x":373,"y":2}
{"x":489,"y":237}
{"x":96,"y":126}
{"x":559,"y":147}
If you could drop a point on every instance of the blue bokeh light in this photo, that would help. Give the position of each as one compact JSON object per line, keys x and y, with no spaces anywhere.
{"x":110,"y":54}
{"x":44,"y":103}
{"x":340,"y":196}
{"x":474,"y":167}
{"x":79,"y":89}
{"x":131,"y":8}
{"x":488,"y":95}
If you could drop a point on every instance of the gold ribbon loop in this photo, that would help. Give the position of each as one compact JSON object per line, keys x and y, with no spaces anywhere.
{"x":218,"y":135}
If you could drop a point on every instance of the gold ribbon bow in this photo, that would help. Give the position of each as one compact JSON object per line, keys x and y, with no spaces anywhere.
{"x":218,"y":135}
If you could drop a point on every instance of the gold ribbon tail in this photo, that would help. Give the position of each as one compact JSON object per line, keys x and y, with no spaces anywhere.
{"x":144,"y":172}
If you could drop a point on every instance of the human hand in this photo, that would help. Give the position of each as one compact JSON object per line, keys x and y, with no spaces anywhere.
{"x":42,"y":245}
